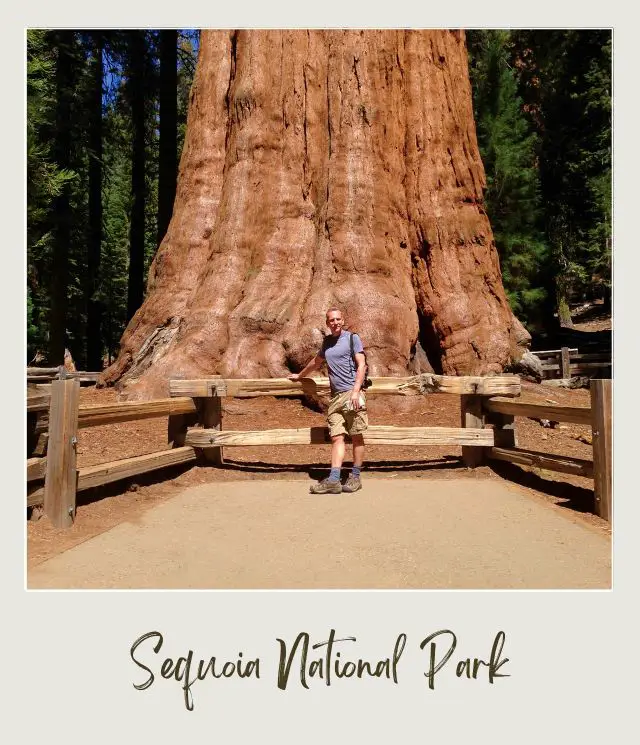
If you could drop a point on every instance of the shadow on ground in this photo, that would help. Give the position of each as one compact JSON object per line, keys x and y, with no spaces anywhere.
{"x":315,"y":471}
{"x":567,"y":495}
{"x":321,"y":470}
{"x":564,"y":494}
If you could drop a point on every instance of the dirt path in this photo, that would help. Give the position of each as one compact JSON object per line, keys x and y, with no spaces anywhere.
{"x":412,"y":533}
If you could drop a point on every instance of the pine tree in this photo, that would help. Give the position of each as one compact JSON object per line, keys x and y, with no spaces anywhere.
{"x":168,"y":144}
{"x":62,"y":215}
{"x":565,"y":80}
{"x":94,"y":331}
{"x":116,"y":195}
{"x":136,"y":92}
{"x":96,"y":183}
{"x":507,"y":147}
{"x":45,"y":182}
{"x":597,"y":103}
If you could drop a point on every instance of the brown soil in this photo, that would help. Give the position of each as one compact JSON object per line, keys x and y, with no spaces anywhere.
{"x":101,"y":509}
{"x":597,"y":323}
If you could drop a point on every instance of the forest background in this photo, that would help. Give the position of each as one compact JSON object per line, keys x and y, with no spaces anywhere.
{"x":106,"y":118}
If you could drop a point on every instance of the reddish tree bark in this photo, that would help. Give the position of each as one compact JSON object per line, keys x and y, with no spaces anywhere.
{"x":321,"y":168}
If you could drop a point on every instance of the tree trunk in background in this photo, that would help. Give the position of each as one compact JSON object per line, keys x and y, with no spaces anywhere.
{"x":168,"y":158}
{"x":62,"y":211}
{"x":562,"y":304}
{"x":94,"y":331}
{"x":321,"y":168}
{"x":136,"y":233}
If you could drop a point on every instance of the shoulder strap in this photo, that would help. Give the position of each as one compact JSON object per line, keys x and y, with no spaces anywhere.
{"x":353,"y":356}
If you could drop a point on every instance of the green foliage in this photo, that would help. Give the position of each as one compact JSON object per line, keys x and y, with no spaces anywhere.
{"x":45,"y":180}
{"x":507,"y":147}
{"x":116,"y":205}
{"x":32,"y":330}
{"x":565,"y":80}
{"x":542,"y":103}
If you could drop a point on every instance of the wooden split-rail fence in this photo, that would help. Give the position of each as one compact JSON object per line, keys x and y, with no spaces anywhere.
{"x":489,"y":406}
{"x":567,"y":362}
{"x":42,"y":375}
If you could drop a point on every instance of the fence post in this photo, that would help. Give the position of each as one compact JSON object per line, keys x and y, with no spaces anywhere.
{"x":177,"y":428}
{"x":210,"y":410}
{"x":602,"y":446}
{"x":61,"y":477}
{"x":472,"y":415}
{"x":565,"y":365}
{"x":504,"y":429}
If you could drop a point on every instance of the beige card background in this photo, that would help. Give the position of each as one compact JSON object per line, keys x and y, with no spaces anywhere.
{"x":67,"y":675}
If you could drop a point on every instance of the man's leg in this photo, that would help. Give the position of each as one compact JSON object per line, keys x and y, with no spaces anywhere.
{"x":332,"y":485}
{"x":358,"y":450}
{"x":335,"y":419}
{"x":353,"y":482}
{"x":337,"y":451}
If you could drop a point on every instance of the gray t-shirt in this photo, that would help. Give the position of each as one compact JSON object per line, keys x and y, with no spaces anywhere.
{"x":342,"y":366}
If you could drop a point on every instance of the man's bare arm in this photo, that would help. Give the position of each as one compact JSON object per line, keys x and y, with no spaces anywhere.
{"x":315,"y":364}
{"x":360,"y":371}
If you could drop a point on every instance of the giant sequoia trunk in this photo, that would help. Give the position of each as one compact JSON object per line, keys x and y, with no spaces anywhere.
{"x":324,"y":168}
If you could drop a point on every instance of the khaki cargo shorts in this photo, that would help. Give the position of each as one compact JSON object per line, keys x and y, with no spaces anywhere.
{"x":345,"y":422}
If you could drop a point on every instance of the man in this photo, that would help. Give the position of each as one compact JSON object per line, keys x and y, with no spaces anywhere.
{"x":347,"y":409}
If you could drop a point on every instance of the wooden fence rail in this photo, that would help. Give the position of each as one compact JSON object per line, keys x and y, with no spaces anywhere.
{"x":375,"y":435}
{"x":546,"y":461}
{"x":49,"y":374}
{"x":499,"y":385}
{"x":567,"y":362}
{"x":96,"y":415}
{"x":106,"y":473}
{"x":128,"y":411}
{"x":575,"y":414}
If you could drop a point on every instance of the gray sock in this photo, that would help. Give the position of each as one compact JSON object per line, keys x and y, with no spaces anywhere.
{"x":334,"y":475}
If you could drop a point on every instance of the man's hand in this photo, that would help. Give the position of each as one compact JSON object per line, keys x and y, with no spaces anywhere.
{"x":315,"y":364}
{"x":355,"y":400}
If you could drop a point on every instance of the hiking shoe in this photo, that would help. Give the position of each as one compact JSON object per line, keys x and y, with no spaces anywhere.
{"x":326,"y":487}
{"x":352,"y":484}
